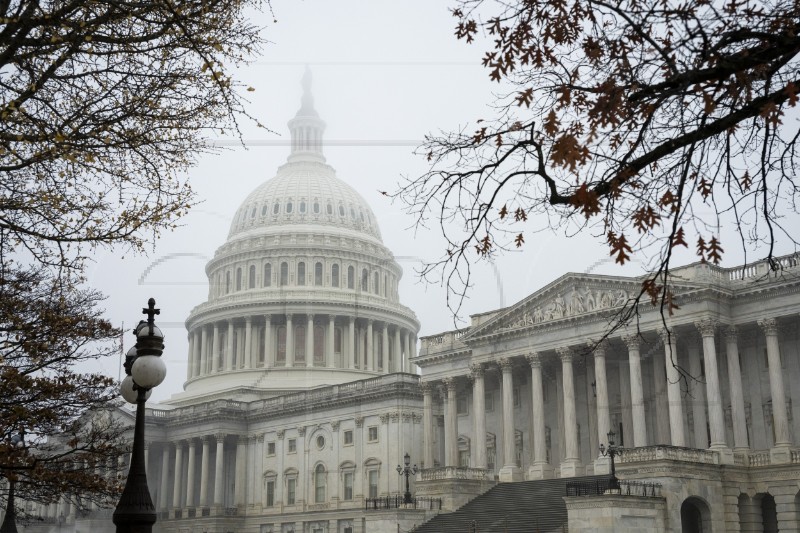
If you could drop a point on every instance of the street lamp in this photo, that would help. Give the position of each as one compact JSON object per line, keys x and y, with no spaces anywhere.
{"x":612,"y":451}
{"x":135,"y":512}
{"x":407,"y":471}
{"x":9,"y":522}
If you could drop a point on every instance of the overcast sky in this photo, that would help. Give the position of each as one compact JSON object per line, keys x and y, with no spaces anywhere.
{"x":384,"y":74}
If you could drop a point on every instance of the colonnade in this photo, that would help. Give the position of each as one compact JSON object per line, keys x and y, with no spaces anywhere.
{"x":668,"y":398}
{"x":329,"y":341}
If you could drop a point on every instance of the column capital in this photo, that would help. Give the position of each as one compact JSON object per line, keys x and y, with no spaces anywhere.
{"x":301,"y":430}
{"x":191,"y":441}
{"x":248,"y":319}
{"x":359,"y":421}
{"x":369,"y":321}
{"x":450,"y":384}
{"x":251,"y":439}
{"x":731,"y":333}
{"x":706,"y":326}
{"x":565,"y":353}
{"x":280,"y":433}
{"x":352,"y":319}
{"x":426,"y":387}
{"x":632,"y":341}
{"x":534,"y":359}
{"x":288,"y":317}
{"x":331,"y":318}
{"x":476,"y":369}
{"x":769,"y":326}
{"x":667,"y":335}
{"x":206,"y":439}
{"x":385,"y":326}
{"x":220,"y":437}
{"x":505,"y":364}
{"x":335,"y":425}
{"x":268,"y":318}
{"x":598,"y":348}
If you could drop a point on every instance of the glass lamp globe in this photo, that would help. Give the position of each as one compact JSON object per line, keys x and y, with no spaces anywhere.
{"x":149,"y":371}
{"x":127,"y":392}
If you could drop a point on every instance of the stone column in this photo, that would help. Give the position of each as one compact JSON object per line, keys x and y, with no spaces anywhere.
{"x":269,"y":357}
{"x":570,"y":466}
{"x":229,"y":348}
{"x":248,"y":342}
{"x":637,"y":392}
{"x":204,"y":472}
{"x":162,"y":498}
{"x":397,"y":363}
{"x":289,"y":341}
{"x":412,"y":341}
{"x":697,"y":396}
{"x":602,"y":465}
{"x":716,"y":417}
{"x":330,"y":356}
{"x":738,"y":417}
{"x":219,"y":482}
{"x":479,"y":415}
{"x":176,"y":485}
{"x":673,"y":378}
{"x":540,"y":469}
{"x":403,"y":364}
{"x":450,"y":424}
{"x":660,"y":403}
{"x":190,"y":368}
{"x":510,"y":471}
{"x":215,"y":342}
{"x":369,"y":353}
{"x":385,"y":347}
{"x":780,"y":453}
{"x":190,"y":475}
{"x":203,"y":350}
{"x":351,"y":343}
{"x":309,"y":341}
{"x":240,"y":481}
{"x":427,"y":424}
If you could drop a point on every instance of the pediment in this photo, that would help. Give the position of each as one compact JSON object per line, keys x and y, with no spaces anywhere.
{"x":572,"y":296}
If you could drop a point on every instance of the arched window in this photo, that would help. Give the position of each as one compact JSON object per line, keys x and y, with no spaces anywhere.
{"x":329,"y":208}
{"x":302,"y":206}
{"x":263,"y":210}
{"x":280,"y":356}
{"x":352,"y":213}
{"x":319,"y":345}
{"x":335,"y":275}
{"x":276,"y":208}
{"x":317,"y":274}
{"x":341,"y":210}
{"x":238,"y":279}
{"x":253,"y":212}
{"x":376,"y":283}
{"x":301,"y":273}
{"x":289,"y":206}
{"x":319,"y":484}
{"x":364,"y":280}
{"x":284,"y":274}
{"x":251,"y":278}
{"x":299,"y":344}
{"x":268,"y":275}
{"x":316,"y":207}
{"x":351,"y":277}
{"x":385,"y":284}
{"x":227,"y":282}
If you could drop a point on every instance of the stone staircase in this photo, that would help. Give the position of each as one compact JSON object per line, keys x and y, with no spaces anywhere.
{"x":523,"y":507}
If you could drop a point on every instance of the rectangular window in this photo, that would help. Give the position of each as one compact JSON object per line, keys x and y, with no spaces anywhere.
{"x":270,"y":493}
{"x":488,"y":400}
{"x":463,"y":458}
{"x":372,"y":434}
{"x":461,"y":406}
{"x":348,"y":486}
{"x":348,"y":437}
{"x":490,"y":457}
{"x":292,"y":445}
{"x":516,"y":397}
{"x":270,"y":448}
{"x":291,"y":489}
{"x":373,"y":483}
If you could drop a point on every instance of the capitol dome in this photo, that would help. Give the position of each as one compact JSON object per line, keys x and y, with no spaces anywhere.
{"x":303,"y":293}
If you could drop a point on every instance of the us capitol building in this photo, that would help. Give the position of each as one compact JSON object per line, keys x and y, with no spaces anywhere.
{"x":302,"y":398}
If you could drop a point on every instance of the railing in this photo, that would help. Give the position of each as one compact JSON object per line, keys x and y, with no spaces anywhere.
{"x":398,"y":502}
{"x":669,"y":453}
{"x":191,"y":512}
{"x":231,"y":511}
{"x":614,"y":486}
{"x":178,"y":513}
{"x":206,"y":511}
{"x":456,"y":472}
{"x":443,"y":341}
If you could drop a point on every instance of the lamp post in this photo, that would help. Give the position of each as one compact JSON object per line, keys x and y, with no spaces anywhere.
{"x":135,"y":512}
{"x":611,"y":451}
{"x":9,"y":521}
{"x":407,"y":471}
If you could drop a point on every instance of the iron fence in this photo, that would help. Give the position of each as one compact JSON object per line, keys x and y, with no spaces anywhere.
{"x":614,"y":486}
{"x":397,"y":502}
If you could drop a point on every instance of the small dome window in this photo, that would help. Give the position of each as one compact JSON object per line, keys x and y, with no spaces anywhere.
{"x":289,"y":206}
{"x":341,"y":210}
{"x":263,"y":210}
{"x":361,"y":212}
{"x":276,"y":208}
{"x":316,"y":208}
{"x":352,"y":213}
{"x":330,"y":209}
{"x":302,"y":206}
{"x":253,"y":212}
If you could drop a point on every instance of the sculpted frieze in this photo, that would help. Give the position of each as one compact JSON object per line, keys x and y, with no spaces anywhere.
{"x":578,"y":301}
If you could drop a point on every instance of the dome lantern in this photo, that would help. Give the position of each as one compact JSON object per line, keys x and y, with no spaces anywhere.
{"x":306,"y":128}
